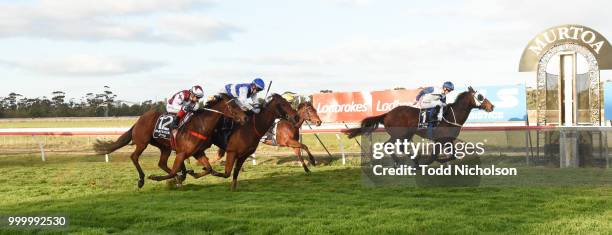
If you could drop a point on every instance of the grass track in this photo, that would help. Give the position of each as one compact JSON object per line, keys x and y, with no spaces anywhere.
{"x":102,"y":197}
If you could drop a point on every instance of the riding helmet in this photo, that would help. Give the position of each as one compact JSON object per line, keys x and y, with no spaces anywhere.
{"x":259,"y":83}
{"x":449,"y":86}
{"x":197,"y":91}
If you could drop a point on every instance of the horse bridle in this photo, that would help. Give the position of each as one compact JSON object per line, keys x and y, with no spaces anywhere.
{"x":478,"y":101}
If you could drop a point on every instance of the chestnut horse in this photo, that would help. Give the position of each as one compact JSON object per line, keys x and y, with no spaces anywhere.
{"x":288,"y":134}
{"x":242,"y":142}
{"x":201,"y":123}
{"x":245,"y":139}
{"x":402,"y":121}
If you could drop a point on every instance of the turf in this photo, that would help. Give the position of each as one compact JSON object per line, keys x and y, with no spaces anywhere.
{"x":276,"y":197}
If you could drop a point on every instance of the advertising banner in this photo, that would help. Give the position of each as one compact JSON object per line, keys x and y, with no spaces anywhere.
{"x":384,"y":101}
{"x":608,"y":101}
{"x":343,"y":106}
{"x":509,"y":100}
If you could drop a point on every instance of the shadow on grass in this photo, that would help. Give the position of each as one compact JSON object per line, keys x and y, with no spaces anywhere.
{"x":331,"y":200}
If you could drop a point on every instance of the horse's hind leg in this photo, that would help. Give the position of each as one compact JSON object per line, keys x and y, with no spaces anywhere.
{"x":135,"y":155}
{"x":163,"y":160}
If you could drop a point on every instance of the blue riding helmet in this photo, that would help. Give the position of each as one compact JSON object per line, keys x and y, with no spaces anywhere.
{"x":449,"y":86}
{"x":259,"y":83}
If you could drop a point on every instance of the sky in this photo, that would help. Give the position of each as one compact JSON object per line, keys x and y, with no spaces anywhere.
{"x":149,"y":49}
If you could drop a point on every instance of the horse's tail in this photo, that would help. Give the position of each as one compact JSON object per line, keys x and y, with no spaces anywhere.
{"x":368,"y":125}
{"x":106,"y":147}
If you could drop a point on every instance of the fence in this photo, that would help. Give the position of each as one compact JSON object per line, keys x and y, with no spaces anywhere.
{"x":537,"y":144}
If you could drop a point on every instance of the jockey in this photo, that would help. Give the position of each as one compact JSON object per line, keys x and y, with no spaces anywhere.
{"x":246,"y":94}
{"x":183,"y":102}
{"x":432,"y":97}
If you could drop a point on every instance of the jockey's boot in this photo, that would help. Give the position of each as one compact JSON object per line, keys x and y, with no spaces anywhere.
{"x":174,"y":131}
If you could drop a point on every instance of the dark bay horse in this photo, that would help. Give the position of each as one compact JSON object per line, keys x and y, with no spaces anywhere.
{"x":288,"y":134}
{"x":245,"y":139}
{"x":402,"y":122}
{"x":201,"y":123}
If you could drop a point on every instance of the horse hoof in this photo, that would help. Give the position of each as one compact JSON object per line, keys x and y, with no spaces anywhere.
{"x":140,"y":183}
{"x":153,"y":177}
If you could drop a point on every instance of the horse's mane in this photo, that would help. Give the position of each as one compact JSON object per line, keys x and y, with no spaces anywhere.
{"x":301,"y":105}
{"x":214,"y":101}
{"x":270,"y":97}
{"x":461,"y":96}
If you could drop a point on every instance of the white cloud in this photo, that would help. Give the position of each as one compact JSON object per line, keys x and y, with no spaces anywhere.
{"x":128,"y":20}
{"x":85,"y":65}
{"x":351,"y":3}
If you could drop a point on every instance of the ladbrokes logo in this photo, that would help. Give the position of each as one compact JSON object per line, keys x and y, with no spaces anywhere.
{"x":338,"y":108}
{"x":387,"y":106}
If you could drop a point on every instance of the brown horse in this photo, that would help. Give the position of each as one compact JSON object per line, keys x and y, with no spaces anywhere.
{"x":288,"y":134}
{"x":245,"y":139}
{"x":201,"y":122}
{"x":402,"y":122}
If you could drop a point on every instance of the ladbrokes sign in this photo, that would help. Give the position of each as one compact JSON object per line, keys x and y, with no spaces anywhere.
{"x":354,"y":106}
{"x":509,"y":100}
{"x":342,"y":106}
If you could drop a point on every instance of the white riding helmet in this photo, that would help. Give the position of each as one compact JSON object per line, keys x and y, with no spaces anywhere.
{"x":197,"y":91}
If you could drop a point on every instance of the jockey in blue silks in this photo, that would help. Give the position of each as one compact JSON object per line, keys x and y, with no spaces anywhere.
{"x":432,"y":97}
{"x":246,"y":94}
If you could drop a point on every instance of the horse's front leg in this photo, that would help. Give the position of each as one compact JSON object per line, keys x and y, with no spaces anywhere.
{"x":207,"y":166}
{"x":230,"y":158}
{"x":297,"y":148}
{"x":178,"y":161}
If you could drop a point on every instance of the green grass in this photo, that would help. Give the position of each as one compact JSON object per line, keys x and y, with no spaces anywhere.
{"x":277,"y":197}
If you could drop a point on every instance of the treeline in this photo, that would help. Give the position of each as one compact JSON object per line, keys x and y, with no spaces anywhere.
{"x":91,"y":105}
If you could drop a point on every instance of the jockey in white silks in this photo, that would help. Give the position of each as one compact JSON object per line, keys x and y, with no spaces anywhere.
{"x":432,"y":97}
{"x":246,"y":94}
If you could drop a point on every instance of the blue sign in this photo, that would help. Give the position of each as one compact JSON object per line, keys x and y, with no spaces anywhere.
{"x":608,"y":101}
{"x":509,"y":101}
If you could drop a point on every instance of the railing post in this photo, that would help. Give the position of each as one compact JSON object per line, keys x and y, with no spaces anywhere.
{"x":41,"y":146}
{"x":254,"y":160}
{"x":341,"y":149}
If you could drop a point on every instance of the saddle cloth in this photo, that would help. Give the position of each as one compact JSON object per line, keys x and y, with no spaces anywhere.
{"x":428,"y":118}
{"x":163,"y":124}
{"x":162,"y":127}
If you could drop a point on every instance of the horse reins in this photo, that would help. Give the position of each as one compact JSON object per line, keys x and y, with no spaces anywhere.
{"x":255,"y":127}
{"x":454,"y":117}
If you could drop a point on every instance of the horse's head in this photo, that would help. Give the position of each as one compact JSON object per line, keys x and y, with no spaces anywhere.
{"x":228,"y":106}
{"x":479,"y":100}
{"x":309,"y":113}
{"x":281,"y":108}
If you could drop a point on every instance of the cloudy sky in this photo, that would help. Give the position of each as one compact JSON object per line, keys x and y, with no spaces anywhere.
{"x":148,"y":49}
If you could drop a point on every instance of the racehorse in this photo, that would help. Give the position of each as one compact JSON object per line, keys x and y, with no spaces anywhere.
{"x":245,"y":138}
{"x":288,"y":134}
{"x":200,"y":124}
{"x":402,"y":122}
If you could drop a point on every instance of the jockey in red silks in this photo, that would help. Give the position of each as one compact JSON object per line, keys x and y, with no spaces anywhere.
{"x":183,"y":102}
